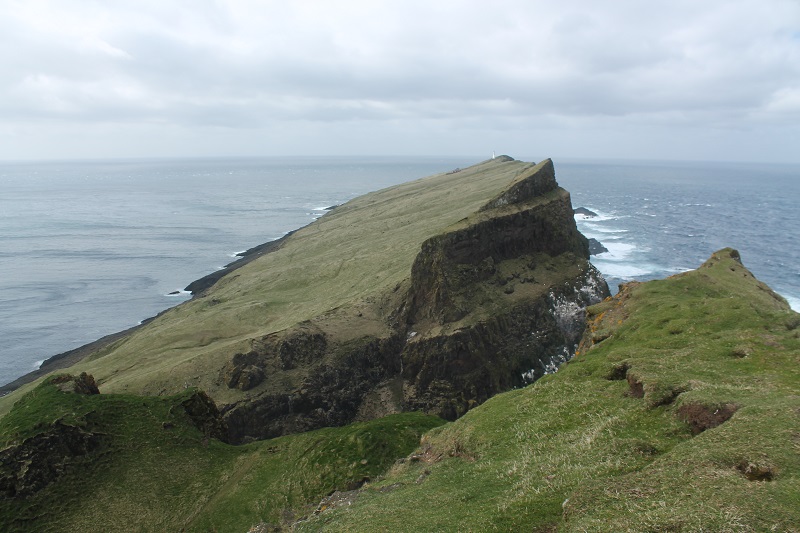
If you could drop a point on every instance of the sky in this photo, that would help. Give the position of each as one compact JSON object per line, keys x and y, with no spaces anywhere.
{"x":714,"y":80}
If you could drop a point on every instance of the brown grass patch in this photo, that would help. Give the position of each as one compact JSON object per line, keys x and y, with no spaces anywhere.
{"x":702,"y":417}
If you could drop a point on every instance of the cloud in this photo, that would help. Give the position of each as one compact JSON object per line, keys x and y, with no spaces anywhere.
{"x":266,"y":64}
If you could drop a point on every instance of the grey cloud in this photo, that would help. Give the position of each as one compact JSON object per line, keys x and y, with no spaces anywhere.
{"x":255,"y":65}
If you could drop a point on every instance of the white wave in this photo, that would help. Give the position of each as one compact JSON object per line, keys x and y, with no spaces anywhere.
{"x":324,"y":208}
{"x":794,"y":302}
{"x":595,"y":233}
{"x":622,"y":270}
{"x":237,"y":254}
{"x":617,"y":251}
{"x":603,"y":229}
{"x":601,"y":217}
{"x":38,"y":364}
{"x":179,"y":293}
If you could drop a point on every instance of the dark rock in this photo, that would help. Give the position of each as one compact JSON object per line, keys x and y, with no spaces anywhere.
{"x":541,"y":181}
{"x":438,"y":271}
{"x":584,"y":212}
{"x":448,"y":374}
{"x":596,"y":247}
{"x":205,"y":416}
{"x":512,"y":333}
{"x":298,"y":346}
{"x":244,"y":371}
{"x":330,"y":394}
{"x":83,"y":384}
{"x":30,"y":466}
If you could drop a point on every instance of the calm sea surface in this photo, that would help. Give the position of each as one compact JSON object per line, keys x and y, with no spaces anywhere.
{"x":90,"y":248}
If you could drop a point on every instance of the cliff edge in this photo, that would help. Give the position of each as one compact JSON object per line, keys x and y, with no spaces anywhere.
{"x":432,"y":295}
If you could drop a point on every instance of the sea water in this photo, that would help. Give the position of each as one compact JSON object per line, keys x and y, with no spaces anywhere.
{"x":659,"y":219}
{"x":88,"y":248}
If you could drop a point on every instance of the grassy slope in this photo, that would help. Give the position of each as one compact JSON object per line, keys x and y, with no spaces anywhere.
{"x":150,"y":478}
{"x":578,"y":451}
{"x":352,"y":257}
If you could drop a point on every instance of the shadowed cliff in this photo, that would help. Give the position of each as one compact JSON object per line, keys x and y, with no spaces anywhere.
{"x":434,"y":295}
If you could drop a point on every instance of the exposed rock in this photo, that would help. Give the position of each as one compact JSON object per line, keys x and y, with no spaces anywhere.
{"x":39,"y":460}
{"x":586,"y":213}
{"x":493,"y":303}
{"x":527,"y":187}
{"x":493,"y":300}
{"x":596,"y":247}
{"x":205,"y":416}
{"x":299,"y":346}
{"x":448,"y":373}
{"x":82,"y":384}
{"x":330,"y":395}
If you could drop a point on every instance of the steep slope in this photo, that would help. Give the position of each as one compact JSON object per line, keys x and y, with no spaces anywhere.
{"x":74,"y":460}
{"x":435,"y":295}
{"x":680,"y":413}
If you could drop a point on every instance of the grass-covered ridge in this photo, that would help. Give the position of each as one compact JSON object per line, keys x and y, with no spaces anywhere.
{"x":681,"y":413}
{"x":432,"y":295}
{"x":110,"y":462}
{"x":351,"y":259}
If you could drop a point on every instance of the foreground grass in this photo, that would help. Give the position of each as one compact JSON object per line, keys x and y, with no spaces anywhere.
{"x":155,"y":471}
{"x":632,"y":435}
{"x":680,"y":413}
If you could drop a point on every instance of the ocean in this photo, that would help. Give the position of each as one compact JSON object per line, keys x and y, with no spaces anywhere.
{"x":88,"y":248}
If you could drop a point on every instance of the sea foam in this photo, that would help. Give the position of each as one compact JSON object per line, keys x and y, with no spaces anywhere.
{"x":794,"y":302}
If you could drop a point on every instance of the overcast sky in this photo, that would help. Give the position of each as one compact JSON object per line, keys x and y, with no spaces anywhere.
{"x":644,"y":79}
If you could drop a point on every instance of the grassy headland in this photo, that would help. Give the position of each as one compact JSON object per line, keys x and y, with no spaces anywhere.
{"x":354,"y":257}
{"x":431,"y":295}
{"x":115,"y":462}
{"x":681,"y":413}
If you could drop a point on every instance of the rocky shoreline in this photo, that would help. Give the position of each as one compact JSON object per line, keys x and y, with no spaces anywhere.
{"x":74,"y":356}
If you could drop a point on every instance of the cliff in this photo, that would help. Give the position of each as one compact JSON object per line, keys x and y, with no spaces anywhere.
{"x":432,"y":295}
{"x":679,"y":413}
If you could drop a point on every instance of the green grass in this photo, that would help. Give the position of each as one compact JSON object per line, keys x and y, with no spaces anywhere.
{"x":154,"y":471}
{"x":626,"y":437}
{"x":576,"y":451}
{"x":347,"y":262}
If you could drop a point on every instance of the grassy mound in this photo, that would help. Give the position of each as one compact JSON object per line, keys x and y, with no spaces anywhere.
{"x":96,"y":462}
{"x":681,"y":413}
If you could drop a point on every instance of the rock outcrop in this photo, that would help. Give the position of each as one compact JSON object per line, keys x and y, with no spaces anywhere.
{"x":492,"y":303}
{"x":31,"y":465}
{"x":431,"y":295}
{"x":28,"y":466}
{"x":596,"y":247}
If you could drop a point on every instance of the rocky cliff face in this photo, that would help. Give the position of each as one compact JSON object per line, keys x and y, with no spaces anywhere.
{"x":493,"y":302}
{"x":431,"y":295}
